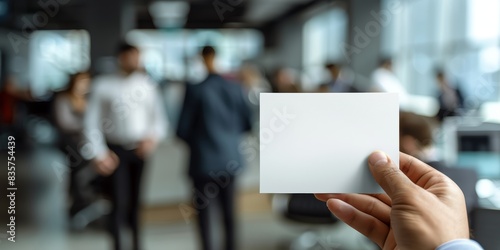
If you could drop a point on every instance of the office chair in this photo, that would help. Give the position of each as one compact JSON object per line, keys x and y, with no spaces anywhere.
{"x":485,"y":227}
{"x":466,"y":179}
{"x":307,"y":210}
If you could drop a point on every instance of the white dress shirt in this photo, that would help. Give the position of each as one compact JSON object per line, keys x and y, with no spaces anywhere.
{"x":123,"y":110}
{"x":460,"y":244}
{"x":386,"y":81}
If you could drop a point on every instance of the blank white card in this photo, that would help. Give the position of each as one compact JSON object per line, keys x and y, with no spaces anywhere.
{"x":320,"y":142}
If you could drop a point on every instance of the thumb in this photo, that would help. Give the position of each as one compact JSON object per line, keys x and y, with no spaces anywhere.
{"x":388,"y":175}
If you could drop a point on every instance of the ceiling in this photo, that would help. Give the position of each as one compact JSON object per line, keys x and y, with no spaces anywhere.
{"x":201,"y":14}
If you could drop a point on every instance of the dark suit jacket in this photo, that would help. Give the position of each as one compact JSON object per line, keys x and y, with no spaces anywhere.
{"x":445,"y":112}
{"x":214,"y":117}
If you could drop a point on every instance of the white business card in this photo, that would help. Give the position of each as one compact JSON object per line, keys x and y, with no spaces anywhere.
{"x":320,"y":142}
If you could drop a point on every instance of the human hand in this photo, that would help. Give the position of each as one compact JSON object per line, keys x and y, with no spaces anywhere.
{"x":145,"y":148}
{"x":107,"y":165}
{"x":422,"y":209}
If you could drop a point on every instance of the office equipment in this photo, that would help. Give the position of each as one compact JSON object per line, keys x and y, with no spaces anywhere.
{"x":470,"y":142}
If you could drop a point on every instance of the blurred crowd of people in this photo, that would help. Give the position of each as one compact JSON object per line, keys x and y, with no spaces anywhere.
{"x":112,"y":123}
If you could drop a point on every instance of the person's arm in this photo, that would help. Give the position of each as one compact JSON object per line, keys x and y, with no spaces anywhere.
{"x":92,"y":124}
{"x":460,"y":244}
{"x":105,"y":161}
{"x":423,"y":208}
{"x":246,"y":113}
{"x":64,"y":116}
{"x":188,"y":114}
{"x":460,"y":97}
{"x":158,"y":128}
{"x":159,"y":125}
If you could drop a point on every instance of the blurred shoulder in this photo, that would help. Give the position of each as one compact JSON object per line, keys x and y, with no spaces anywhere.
{"x":61,"y":98}
{"x":194,"y":88}
{"x":235,"y":86}
{"x":144,"y":78}
{"x":103,"y":82}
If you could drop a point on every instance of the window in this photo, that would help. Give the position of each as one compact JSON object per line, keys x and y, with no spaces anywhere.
{"x":324,"y":35}
{"x":54,"y":56}
{"x":458,"y":36}
{"x":173,"y":55}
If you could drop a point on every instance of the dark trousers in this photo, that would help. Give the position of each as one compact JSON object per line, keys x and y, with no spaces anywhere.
{"x":68,"y":144}
{"x":210,"y":195}
{"x":124,"y":189}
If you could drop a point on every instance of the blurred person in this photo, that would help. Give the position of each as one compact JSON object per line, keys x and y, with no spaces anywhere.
{"x":9,"y":96}
{"x":13,"y":101}
{"x":125,"y":121}
{"x":213,"y":119}
{"x":422,"y":208}
{"x":284,"y":80}
{"x":416,"y":139}
{"x":415,"y":136}
{"x":69,"y":109}
{"x":255,"y":83}
{"x":7,"y":103}
{"x":336,"y":83}
{"x":450,"y":99}
{"x":384,"y":80}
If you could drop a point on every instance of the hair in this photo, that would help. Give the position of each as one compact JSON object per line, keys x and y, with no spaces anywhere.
{"x":332,"y":65}
{"x":73,"y":79}
{"x":208,"y":51}
{"x":125,"y":47}
{"x":416,"y":126}
{"x":384,"y":60}
{"x":439,"y":72}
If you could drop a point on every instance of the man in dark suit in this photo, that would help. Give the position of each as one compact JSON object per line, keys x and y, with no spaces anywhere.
{"x":214,"y":117}
{"x":450,"y":98}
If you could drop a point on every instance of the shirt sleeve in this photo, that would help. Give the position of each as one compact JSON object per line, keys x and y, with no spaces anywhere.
{"x":159,"y":120}
{"x":65,"y":118}
{"x":460,"y":244}
{"x":188,"y":114}
{"x":246,"y":113}
{"x":92,"y":124}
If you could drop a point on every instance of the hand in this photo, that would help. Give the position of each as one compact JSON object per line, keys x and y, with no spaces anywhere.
{"x":107,"y":165}
{"x":145,"y":148}
{"x":421,"y":210}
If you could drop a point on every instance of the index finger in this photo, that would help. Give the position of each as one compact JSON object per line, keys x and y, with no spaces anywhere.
{"x":417,"y":171}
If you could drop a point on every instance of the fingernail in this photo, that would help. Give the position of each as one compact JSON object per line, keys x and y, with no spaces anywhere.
{"x":378,"y":158}
{"x":336,"y":205}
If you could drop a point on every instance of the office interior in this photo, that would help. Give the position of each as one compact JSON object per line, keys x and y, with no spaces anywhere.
{"x":266,"y":46}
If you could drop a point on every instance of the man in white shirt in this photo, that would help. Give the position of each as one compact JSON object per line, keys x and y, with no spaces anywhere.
{"x":384,"y":80}
{"x":124,"y":123}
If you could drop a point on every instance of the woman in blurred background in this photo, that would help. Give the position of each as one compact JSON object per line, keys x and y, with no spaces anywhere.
{"x":255,"y":83}
{"x":69,"y":107}
{"x":285,"y":80}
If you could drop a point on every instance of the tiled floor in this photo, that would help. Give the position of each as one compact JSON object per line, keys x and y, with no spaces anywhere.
{"x":257,"y":232}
